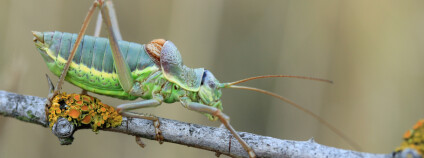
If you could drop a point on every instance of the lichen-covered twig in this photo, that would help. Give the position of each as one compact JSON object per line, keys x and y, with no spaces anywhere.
{"x":31,"y":109}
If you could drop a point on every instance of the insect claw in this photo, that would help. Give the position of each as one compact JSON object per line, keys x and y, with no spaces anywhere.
{"x":139,"y":142}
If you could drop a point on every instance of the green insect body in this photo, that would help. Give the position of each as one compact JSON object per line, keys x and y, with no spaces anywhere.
{"x":93,"y":69}
{"x":153,"y":71}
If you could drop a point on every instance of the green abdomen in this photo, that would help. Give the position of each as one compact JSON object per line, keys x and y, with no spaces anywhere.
{"x":92,"y":67}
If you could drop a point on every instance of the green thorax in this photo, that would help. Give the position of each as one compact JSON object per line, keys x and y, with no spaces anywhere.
{"x":157,"y":84}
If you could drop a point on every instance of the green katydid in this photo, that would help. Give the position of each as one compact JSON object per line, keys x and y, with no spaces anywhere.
{"x":154,"y":72}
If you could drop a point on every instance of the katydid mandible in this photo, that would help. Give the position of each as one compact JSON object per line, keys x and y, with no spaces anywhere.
{"x":154,"y":72}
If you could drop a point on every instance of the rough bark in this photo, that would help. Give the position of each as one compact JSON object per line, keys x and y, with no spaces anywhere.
{"x":31,"y":109}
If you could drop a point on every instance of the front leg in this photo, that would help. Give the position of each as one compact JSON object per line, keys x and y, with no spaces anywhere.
{"x":121,"y":67}
{"x":84,"y":26}
{"x":124,"y":108}
{"x":124,"y":73}
{"x":222,"y":117}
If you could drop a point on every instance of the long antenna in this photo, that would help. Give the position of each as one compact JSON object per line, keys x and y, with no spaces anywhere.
{"x":281,"y":76}
{"x":331,"y":127}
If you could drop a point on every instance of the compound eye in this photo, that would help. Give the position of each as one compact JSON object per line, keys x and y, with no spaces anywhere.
{"x":209,"y":80}
{"x":211,"y":84}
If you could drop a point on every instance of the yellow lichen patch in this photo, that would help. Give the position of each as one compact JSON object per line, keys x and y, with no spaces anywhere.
{"x":418,"y":124}
{"x":407,"y":134}
{"x":414,"y":138}
{"x":83,"y":110}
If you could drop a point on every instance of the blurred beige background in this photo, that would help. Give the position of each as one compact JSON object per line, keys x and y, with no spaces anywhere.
{"x":373,"y":50}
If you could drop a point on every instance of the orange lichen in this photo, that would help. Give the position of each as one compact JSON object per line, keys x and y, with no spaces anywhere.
{"x":86,"y":98}
{"x":86,"y":119}
{"x":407,"y":134}
{"x":83,"y":110}
{"x":414,"y":138}
{"x":77,"y":97}
{"x":418,"y":124}
{"x":74,"y":113}
{"x":79,"y":102}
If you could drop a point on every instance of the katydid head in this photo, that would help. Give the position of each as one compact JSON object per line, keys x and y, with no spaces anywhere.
{"x":197,"y":80}
{"x":210,"y":90}
{"x":208,"y":87}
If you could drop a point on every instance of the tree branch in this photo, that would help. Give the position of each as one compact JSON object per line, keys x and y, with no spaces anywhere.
{"x":31,"y":109}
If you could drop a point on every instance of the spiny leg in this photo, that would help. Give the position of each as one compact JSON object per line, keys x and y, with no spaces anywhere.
{"x":224,"y":120}
{"x":114,"y":21}
{"x":122,"y":67}
{"x":98,"y":27}
{"x":123,"y":108}
{"x":97,"y":31}
{"x":139,"y":142}
{"x":114,"y":26}
{"x":51,"y":91}
{"x":49,"y":97}
{"x":123,"y":70}
{"x":77,"y":43}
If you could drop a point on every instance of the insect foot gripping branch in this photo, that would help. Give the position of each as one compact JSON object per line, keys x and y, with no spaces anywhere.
{"x":413,"y":139}
{"x":83,"y":110}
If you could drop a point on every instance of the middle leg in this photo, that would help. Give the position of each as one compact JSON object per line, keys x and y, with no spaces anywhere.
{"x":124,"y":74}
{"x":124,"y":108}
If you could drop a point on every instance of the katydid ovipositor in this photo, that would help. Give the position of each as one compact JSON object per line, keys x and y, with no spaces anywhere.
{"x":153,"y":71}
